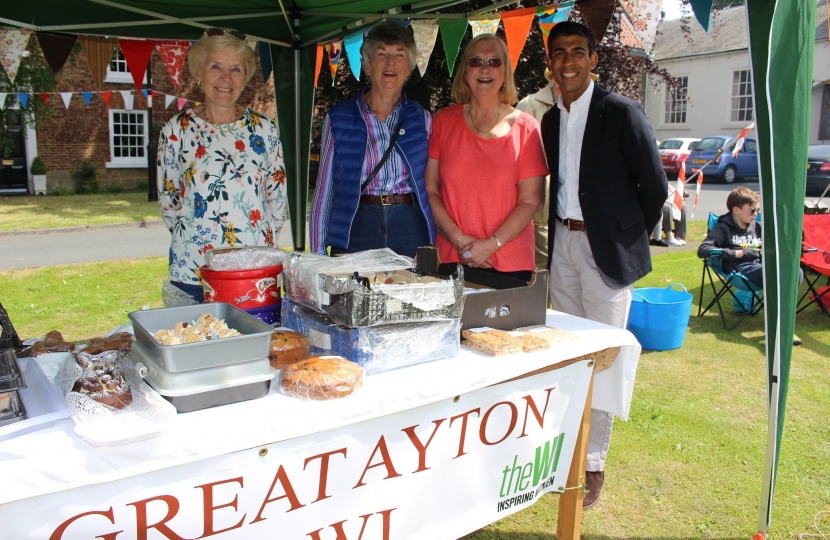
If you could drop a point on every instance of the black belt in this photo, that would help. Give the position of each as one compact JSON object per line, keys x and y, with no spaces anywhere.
{"x":387,"y":199}
{"x":572,"y":224}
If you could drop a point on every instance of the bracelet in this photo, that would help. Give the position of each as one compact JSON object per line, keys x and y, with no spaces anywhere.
{"x":458,"y":240}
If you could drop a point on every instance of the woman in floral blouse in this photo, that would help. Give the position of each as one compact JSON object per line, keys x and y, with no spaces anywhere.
{"x":221,"y":175}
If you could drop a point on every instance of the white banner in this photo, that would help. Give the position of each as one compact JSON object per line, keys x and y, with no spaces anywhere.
{"x":438,"y":471}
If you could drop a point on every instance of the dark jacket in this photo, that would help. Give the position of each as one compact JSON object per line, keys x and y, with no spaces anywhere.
{"x":622,"y":186}
{"x":350,"y":135}
{"x":728,"y":236}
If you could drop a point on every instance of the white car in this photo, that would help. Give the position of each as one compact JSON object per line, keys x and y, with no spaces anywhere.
{"x":673,"y":152}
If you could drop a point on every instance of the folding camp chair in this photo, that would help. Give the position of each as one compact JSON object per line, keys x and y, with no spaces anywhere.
{"x":743,"y":292}
{"x":815,"y":259}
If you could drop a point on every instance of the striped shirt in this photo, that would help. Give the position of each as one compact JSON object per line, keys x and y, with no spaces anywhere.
{"x":392,"y":178}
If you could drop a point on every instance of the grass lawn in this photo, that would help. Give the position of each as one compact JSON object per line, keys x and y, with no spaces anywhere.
{"x":687,"y":464}
{"x":45,"y":212}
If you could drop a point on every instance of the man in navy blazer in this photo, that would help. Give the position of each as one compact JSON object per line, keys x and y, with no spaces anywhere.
{"x":607,"y":189}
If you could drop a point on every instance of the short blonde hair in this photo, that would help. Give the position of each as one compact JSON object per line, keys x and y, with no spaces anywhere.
{"x":461,"y":91}
{"x":198,"y":53}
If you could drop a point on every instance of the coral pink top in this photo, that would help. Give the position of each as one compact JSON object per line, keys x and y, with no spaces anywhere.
{"x":480,"y":182}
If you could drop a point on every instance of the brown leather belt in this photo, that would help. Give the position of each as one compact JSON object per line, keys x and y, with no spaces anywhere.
{"x":386,"y":199}
{"x":572,"y":224}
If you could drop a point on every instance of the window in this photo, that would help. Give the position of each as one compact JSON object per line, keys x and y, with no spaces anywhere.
{"x":117,"y":71}
{"x":676,"y":101}
{"x":128,"y":143}
{"x":751,"y":147}
{"x":742,"y":96}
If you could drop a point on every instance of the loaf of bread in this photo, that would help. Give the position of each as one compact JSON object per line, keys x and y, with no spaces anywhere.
{"x":321,"y":378}
{"x":287,"y":348}
{"x":494,"y":342}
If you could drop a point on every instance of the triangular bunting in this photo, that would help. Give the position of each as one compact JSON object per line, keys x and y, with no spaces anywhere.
{"x":335,"y":50}
{"x":12,"y":47}
{"x":137,"y":54}
{"x":487,"y":23}
{"x":128,"y":97}
{"x":23,"y":99}
{"x":181,"y":102}
{"x":107,"y":96}
{"x":168,"y":99}
{"x":452,"y":32}
{"x":87,"y":97}
{"x":318,"y":62}
{"x":98,"y":52}
{"x":45,"y":97}
{"x":173,"y":55}
{"x":703,"y":12}
{"x":66,"y":97}
{"x":597,"y":15}
{"x":550,"y":17}
{"x":426,"y":32}
{"x":352,"y":44}
{"x":2,"y":100}
{"x":644,"y":15}
{"x":516,"y":29}
{"x":265,"y":60}
{"x":56,"y":48}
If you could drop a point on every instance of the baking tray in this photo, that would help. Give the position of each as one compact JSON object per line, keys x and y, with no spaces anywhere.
{"x":252,"y":345}
{"x":216,"y":398}
{"x":16,"y":413}
{"x":11,"y":378}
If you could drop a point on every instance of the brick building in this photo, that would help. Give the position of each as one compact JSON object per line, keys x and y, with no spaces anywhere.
{"x":112,"y":137}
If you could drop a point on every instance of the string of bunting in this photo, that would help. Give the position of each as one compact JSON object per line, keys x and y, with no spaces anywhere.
{"x":128,"y":96}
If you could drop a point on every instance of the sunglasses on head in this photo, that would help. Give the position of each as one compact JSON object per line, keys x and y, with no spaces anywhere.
{"x":477,"y":61}
{"x":222,"y":32}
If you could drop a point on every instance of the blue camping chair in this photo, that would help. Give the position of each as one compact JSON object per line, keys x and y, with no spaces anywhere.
{"x":746,"y":296}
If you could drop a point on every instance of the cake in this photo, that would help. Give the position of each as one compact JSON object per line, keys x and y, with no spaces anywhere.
{"x":108,"y":388}
{"x":321,"y":378}
{"x":288,"y":347}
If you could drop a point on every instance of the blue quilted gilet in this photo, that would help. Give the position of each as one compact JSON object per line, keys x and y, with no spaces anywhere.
{"x":350,"y":135}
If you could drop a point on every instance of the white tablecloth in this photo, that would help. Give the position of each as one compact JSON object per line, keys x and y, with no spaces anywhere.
{"x":57,"y":459}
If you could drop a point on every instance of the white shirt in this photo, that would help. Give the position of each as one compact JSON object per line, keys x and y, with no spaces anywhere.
{"x":571,"y":130}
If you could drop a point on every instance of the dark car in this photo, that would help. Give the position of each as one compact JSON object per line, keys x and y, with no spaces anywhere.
{"x":818,"y":169}
{"x":725,"y":167}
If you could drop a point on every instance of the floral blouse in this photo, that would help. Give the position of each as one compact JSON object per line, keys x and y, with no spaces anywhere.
{"x":219,"y":185}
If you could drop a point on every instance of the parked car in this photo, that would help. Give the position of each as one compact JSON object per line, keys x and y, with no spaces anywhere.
{"x":725,"y":167}
{"x":818,"y":168}
{"x":673,"y":152}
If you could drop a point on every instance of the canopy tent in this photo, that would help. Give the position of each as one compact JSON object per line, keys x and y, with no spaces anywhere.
{"x":782,"y":34}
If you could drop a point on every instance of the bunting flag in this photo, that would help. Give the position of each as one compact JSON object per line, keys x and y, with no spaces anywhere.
{"x":181,"y":102}
{"x":644,"y":15}
{"x":45,"y":98}
{"x":741,"y":137}
{"x":66,"y":97}
{"x":168,"y":99}
{"x":137,"y":54}
{"x":87,"y":97}
{"x":677,"y":201}
{"x":452,"y":32}
{"x":56,"y":48}
{"x":265,"y":60}
{"x":23,"y":99}
{"x":335,"y":50}
{"x":12,"y":47}
{"x":352,"y":44}
{"x":486,"y":23}
{"x":173,"y":55}
{"x":703,"y":12}
{"x":516,"y":29}
{"x":318,"y":62}
{"x":597,"y":15}
{"x":426,"y":32}
{"x":697,"y":189}
{"x":128,"y":97}
{"x":550,"y":17}
{"x":2,"y":100}
{"x":98,"y":51}
{"x":106,"y":96}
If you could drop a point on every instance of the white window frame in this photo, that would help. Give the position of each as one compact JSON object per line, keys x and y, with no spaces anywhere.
{"x":127,"y":162}
{"x":734,"y":99}
{"x":122,"y":75}
{"x":670,"y":99}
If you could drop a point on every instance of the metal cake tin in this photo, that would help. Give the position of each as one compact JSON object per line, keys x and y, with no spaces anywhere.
{"x":253,"y":344}
{"x":11,"y":378}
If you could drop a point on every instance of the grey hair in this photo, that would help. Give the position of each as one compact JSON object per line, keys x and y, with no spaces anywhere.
{"x":198,"y":53}
{"x":388,"y":33}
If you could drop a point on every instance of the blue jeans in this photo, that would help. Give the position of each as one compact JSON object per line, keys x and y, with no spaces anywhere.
{"x":399,"y":227}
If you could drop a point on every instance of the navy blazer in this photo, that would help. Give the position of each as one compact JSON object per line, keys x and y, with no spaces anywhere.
{"x":622,"y":186}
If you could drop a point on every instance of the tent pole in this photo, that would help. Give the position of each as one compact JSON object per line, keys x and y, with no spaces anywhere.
{"x":300,"y":212}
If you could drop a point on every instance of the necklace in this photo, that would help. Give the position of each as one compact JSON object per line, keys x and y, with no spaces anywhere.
{"x":494,"y":123}
{"x":236,"y":108}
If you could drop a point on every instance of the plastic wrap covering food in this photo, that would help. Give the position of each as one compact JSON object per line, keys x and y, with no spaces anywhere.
{"x":142,"y":415}
{"x":173,"y":296}
{"x":493,"y":342}
{"x":321,"y":378}
{"x":288,"y":347}
{"x":245,"y":258}
{"x":52,"y":342}
{"x":371,"y":288}
{"x":377,"y":348}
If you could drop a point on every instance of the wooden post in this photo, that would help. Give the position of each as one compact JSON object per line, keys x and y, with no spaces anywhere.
{"x":569,"y":523}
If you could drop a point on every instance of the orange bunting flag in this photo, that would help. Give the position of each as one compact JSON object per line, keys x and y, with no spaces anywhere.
{"x":741,"y":137}
{"x":517,"y":25}
{"x":318,"y":62}
{"x":107,"y":95}
{"x":697,"y":189}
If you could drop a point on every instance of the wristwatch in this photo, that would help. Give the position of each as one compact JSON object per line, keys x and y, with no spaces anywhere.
{"x":498,"y":242}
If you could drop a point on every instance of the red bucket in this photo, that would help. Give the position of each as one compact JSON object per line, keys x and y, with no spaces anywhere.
{"x":242,"y":288}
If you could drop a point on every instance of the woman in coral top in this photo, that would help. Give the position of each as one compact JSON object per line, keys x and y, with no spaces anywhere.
{"x":486,"y":167}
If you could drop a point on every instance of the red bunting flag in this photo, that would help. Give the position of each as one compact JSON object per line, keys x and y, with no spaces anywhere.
{"x":107,"y":96}
{"x":137,"y":54}
{"x":516,"y":29}
{"x":45,"y":98}
{"x":173,"y":54}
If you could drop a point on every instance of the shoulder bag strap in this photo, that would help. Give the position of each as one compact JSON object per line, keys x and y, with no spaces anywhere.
{"x":385,"y":154}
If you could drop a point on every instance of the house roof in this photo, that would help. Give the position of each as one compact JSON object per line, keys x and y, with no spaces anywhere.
{"x":627,"y":35}
{"x":728,"y":34}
